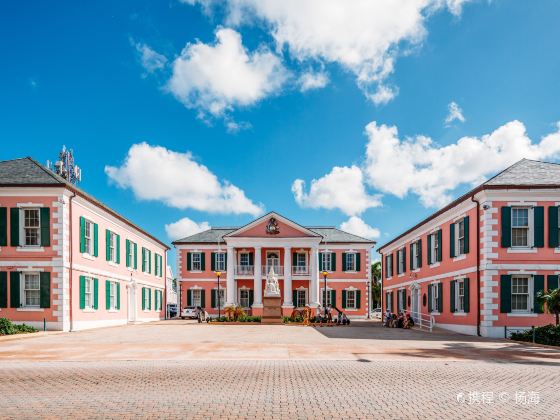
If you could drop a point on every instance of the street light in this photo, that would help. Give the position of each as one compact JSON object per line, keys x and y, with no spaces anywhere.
{"x":325,"y":274}
{"x":218,"y":274}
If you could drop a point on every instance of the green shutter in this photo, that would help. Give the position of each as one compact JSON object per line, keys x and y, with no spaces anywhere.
{"x":506,"y":228}
{"x":143,"y":260}
{"x":213,"y":298}
{"x":45,"y":289}
{"x":251,"y":258}
{"x":452,"y":295}
{"x":189,"y":297}
{"x":387,"y":274}
{"x":411,"y":257}
{"x":505,"y":292}
{"x":3,"y":289}
{"x":127,"y":250}
{"x":203,"y":298}
{"x":189,"y":265}
{"x":202,"y":261}
{"x":294,"y":259}
{"x":404,"y":260}
{"x":95,"y":294}
{"x":82,"y":292}
{"x":15,"y":301}
{"x":466,"y":299}
{"x":294,"y":298}
{"x":45,"y":221}
{"x":321,"y":261}
{"x":333,"y":298}
{"x":107,"y":244}
{"x":3,"y":226}
{"x":107,"y":294}
{"x":344,"y":299}
{"x":358,"y":299}
{"x":440,"y":298}
{"x":149,"y":291}
{"x":333,"y":261}
{"x":82,"y":234}
{"x":552,"y":282}
{"x":466,"y":225}
{"x":553,"y":227}
{"x":118,"y":249}
{"x":538,"y":217}
{"x":440,"y":244}
{"x":430,"y":298}
{"x":150,"y":264}
{"x":118,"y":295}
{"x":358,"y":265}
{"x":538,"y":287}
{"x":95,"y":240}
{"x":213,"y":261}
{"x":14,"y":227}
{"x":419,"y":258}
{"x":452,"y":240}
{"x":429,"y":253}
{"x":135,"y":256}
{"x":143,"y":298}
{"x":392,"y":264}
{"x":344,"y":265}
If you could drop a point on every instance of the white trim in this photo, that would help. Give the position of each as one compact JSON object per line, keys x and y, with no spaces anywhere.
{"x":522,"y":250}
{"x":522,"y":314}
{"x":29,"y":205}
{"x":460,"y":257}
{"x":269,"y":216}
{"x":435,"y":278}
{"x":459,"y":313}
{"x":111,"y":275}
{"x":30,"y":248}
{"x":30,"y":309}
{"x":88,"y":256}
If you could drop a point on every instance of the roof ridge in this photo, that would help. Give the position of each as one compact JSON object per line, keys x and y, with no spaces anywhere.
{"x":503,"y":171}
{"x":50,"y":173}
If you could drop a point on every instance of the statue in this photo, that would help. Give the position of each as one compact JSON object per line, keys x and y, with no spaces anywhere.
{"x":272,"y":289}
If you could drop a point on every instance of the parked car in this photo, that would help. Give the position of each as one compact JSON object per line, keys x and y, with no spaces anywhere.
{"x":172,"y":310}
{"x":189,"y":312}
{"x":376,"y":313}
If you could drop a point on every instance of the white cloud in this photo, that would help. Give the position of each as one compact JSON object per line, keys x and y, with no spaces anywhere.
{"x":418,"y":165}
{"x":312,"y":80}
{"x":343,"y":188}
{"x":383,"y":95}
{"x":363,"y":36}
{"x":358,"y":227}
{"x":176,"y":179}
{"x":216,"y":78}
{"x":184,"y":227}
{"x":455,"y":113}
{"x":151,"y":60}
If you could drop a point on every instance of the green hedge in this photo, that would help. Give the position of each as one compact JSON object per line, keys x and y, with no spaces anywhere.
{"x":7,"y":327}
{"x":244,"y":318}
{"x":549,"y":335}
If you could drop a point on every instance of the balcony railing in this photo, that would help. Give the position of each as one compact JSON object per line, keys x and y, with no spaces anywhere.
{"x":299,"y":270}
{"x":278,"y":270}
{"x":244,"y":270}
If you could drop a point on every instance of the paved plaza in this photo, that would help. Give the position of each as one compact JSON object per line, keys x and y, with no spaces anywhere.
{"x":185,"y":370}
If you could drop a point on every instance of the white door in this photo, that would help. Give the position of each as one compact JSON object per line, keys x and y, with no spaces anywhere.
{"x":131,"y":303}
{"x":273,"y":260}
{"x":415,"y":303}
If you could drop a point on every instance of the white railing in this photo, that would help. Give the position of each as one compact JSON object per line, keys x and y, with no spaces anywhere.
{"x":278,"y":270}
{"x":300,"y":270}
{"x":244,"y":270}
{"x":421,"y":320}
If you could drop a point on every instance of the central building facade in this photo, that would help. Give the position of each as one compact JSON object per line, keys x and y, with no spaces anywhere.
{"x":274,"y":245}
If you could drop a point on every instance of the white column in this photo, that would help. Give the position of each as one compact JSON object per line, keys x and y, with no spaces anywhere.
{"x":288,"y":277}
{"x":230,"y":289}
{"x":314,"y":283}
{"x":257,"y":279}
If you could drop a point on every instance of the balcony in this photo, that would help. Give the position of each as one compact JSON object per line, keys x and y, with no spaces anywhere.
{"x":244,"y":270}
{"x":300,"y":270}
{"x":278,"y":270}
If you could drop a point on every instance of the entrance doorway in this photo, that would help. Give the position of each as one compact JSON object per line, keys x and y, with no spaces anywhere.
{"x":415,"y":289}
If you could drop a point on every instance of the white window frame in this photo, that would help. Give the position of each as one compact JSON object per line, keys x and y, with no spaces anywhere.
{"x":353,"y":299}
{"x":89,"y":294}
{"x":147,"y":298}
{"x":24,"y":290}
{"x":388,"y":302}
{"x":244,"y":300}
{"x":414,"y":265}
{"x":460,"y":298}
{"x":89,"y":239}
{"x":222,"y":299}
{"x":196,"y":297}
{"x":400,"y":261}
{"x":435,"y":297}
{"x":389,"y":268}
{"x":220,"y":261}
{"x":248,"y":261}
{"x":112,"y":246}
{"x":23,"y":228}
{"x":329,"y":296}
{"x":459,"y":240}
{"x":199,"y":262}
{"x":130,"y":254}
{"x":400,"y":300}
{"x":529,"y":228}
{"x":299,"y":294}
{"x":112,"y":295}
{"x":434,"y":248}
{"x":529,"y":308}
{"x":327,"y":262}
{"x":351,"y":257}
{"x":146,"y":260}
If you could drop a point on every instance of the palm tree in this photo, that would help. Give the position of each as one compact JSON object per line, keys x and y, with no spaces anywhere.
{"x":552,"y":300}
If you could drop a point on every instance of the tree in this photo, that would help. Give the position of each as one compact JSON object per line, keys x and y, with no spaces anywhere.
{"x":376,"y":282}
{"x":552,"y":300}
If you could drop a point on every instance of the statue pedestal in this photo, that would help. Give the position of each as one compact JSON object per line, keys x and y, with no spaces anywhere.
{"x":272,"y":310}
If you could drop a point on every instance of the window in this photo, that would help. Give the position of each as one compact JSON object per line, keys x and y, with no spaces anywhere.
{"x":112,"y":295}
{"x":389,"y":302}
{"x":130,"y":257}
{"x":351,"y":299}
{"x":400,"y":262}
{"x":147,"y":298}
{"x":220,"y":261}
{"x":244,"y":298}
{"x":434,"y":244}
{"x":460,"y":296}
{"x":197,"y":297}
{"x":146,"y":262}
{"x":31,"y":290}
{"x":329,"y":297}
{"x":112,"y":247}
{"x":460,"y":234}
{"x":244,"y":259}
{"x":222,"y":298}
{"x":435,"y":297}
{"x":414,"y":256}
{"x":301,"y":298}
{"x":350,"y":262}
{"x":196,"y":262}
{"x":520,"y":294}
{"x":31,"y":227}
{"x":88,"y":292}
{"x":88,"y":237}
{"x":389,"y":270}
{"x":400,"y":297}
{"x":519,"y":227}
{"x":327,"y":261}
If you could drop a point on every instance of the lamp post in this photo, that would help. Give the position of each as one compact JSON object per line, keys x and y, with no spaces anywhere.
{"x":325,"y":274}
{"x":218,"y":274}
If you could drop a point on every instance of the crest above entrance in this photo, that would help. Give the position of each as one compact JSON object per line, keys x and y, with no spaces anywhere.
{"x":273,"y":224}
{"x":272,"y":227}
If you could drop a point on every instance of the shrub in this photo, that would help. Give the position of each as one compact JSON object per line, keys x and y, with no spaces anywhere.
{"x":549,"y":335}
{"x":7,"y":327}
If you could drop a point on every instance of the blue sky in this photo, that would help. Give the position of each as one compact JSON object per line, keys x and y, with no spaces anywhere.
{"x":214,"y":99}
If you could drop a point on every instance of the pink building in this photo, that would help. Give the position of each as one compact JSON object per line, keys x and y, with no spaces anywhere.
{"x":297,"y":254}
{"x":68,"y":261}
{"x":477,"y":264}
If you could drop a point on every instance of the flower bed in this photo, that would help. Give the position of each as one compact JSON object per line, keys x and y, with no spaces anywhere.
{"x":549,"y":335}
{"x":7,"y":327}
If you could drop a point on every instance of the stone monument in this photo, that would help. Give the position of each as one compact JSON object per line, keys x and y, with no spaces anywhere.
{"x":272,"y":305}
